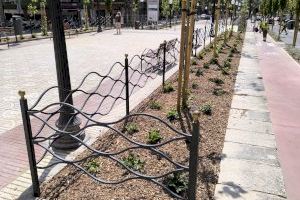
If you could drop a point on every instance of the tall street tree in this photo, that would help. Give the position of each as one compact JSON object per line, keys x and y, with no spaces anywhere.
{"x":2,"y":15}
{"x":86,"y":3}
{"x":296,"y":28}
{"x":282,"y":7}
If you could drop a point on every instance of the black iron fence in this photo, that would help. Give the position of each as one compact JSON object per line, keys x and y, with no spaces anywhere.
{"x":201,"y":35}
{"x":42,"y":132}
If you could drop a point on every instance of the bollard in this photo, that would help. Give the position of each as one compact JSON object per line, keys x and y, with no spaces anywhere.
{"x":29,"y":144}
{"x":164,"y":63}
{"x":204,"y":38}
{"x":127,"y":84}
{"x":196,"y":43}
{"x":193,"y":162}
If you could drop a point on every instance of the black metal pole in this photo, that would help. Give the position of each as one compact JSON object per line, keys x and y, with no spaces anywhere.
{"x":196,"y":42}
{"x":127,"y":84}
{"x":170,"y":15}
{"x":213,"y":19}
{"x":164,"y":63}
{"x":29,"y":145}
{"x":204,"y":38}
{"x":67,"y":121}
{"x":193,"y":161}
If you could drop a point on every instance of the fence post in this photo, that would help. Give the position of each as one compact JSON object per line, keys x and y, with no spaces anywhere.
{"x":7,"y":40}
{"x":29,"y":144}
{"x":204,"y":38}
{"x":195,"y":47}
{"x":127,"y":83}
{"x":193,"y":162}
{"x":164,"y":63}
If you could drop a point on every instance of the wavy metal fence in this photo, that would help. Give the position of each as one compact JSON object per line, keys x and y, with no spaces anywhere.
{"x":42,"y":130}
{"x":201,"y":35}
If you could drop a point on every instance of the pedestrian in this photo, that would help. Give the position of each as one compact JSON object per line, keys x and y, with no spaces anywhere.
{"x":118,"y":22}
{"x":284,"y":26}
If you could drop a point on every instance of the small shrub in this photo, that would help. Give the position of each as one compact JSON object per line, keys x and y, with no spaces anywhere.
{"x":168,"y":88}
{"x":218,"y":92}
{"x":233,"y":50}
{"x":230,"y":55}
{"x":33,"y":36}
{"x":201,"y":55}
{"x":131,"y":128}
{"x":229,"y":59}
{"x":172,"y":115}
{"x":177,"y":182}
{"x":22,"y":37}
{"x":194,"y":62}
{"x":194,"y":85}
{"x":93,"y":167}
{"x":235,"y":45}
{"x":206,"y":109}
{"x":199,"y":72}
{"x":133,"y":162}
{"x":154,"y":136}
{"x":227,"y":64}
{"x":206,"y":66}
{"x":155,"y":105}
{"x":217,"y":81}
{"x":225,"y":71}
{"x":213,"y":61}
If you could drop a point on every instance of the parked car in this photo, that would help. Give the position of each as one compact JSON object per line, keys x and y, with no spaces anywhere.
{"x":204,"y":16}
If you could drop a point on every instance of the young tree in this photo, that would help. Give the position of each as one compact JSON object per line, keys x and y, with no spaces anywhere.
{"x":275,"y":8}
{"x":44,"y":26}
{"x":2,"y":15}
{"x":296,"y":28}
{"x":86,"y":15}
{"x":282,"y":7}
{"x":32,"y":10}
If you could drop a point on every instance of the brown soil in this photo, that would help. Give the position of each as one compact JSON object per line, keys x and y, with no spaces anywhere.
{"x":73,"y":184}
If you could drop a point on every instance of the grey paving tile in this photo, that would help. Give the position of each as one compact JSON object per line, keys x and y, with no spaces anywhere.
{"x":231,"y":191}
{"x":264,"y":155}
{"x":244,"y":114}
{"x":251,"y":138}
{"x":250,"y":125}
{"x":249,"y":103}
{"x":252,"y":175}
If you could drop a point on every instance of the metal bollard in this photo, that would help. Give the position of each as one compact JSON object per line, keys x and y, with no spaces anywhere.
{"x":127,"y":83}
{"x":164,"y":64}
{"x":193,"y":162}
{"x":29,"y":144}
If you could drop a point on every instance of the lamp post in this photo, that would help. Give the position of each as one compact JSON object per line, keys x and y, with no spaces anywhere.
{"x":142,"y":11}
{"x":170,"y":7}
{"x":98,"y":17}
{"x":67,"y":121}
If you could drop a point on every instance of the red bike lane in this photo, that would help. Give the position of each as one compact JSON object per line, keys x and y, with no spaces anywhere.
{"x":281,"y":75}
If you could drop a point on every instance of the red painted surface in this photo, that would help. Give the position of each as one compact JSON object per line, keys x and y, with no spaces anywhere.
{"x":281,"y":76}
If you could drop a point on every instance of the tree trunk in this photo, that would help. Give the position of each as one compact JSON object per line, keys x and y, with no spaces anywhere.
{"x":296,"y":28}
{"x":86,"y":17}
{"x":188,"y":55}
{"x":280,"y":22}
{"x":2,"y":15}
{"x":216,"y":28}
{"x":226,"y":17}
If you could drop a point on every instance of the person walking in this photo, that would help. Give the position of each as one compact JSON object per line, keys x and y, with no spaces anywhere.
{"x":118,"y":22}
{"x":284,"y":27}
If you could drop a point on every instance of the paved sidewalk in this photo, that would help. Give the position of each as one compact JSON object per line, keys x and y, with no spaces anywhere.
{"x":250,"y":168}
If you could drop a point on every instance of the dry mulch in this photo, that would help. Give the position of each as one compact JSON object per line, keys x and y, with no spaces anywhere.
{"x":73,"y":184}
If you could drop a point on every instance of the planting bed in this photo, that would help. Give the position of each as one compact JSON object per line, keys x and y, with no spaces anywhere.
{"x":211,"y":91}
